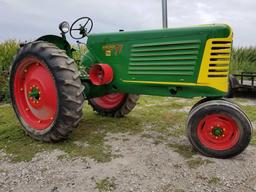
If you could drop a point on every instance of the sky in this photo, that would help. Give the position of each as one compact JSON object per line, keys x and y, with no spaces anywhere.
{"x":30,"y":19}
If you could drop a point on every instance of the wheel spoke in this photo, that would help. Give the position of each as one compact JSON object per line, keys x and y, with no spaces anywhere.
{"x":86,"y":22}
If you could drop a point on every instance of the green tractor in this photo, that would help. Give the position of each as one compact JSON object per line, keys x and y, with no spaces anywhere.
{"x":47,"y":89}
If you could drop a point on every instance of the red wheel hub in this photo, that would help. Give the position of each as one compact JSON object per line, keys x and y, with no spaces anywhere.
{"x":35,"y":93}
{"x":218,"y":132}
{"x":110,"y":101}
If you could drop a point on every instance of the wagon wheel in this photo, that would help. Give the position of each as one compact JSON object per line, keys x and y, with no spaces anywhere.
{"x":114,"y":105}
{"x":46,"y":91}
{"x":218,"y":128}
{"x":232,"y":85}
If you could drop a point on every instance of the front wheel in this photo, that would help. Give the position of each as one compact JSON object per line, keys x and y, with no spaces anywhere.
{"x":219,"y":129}
{"x":115,"y":104}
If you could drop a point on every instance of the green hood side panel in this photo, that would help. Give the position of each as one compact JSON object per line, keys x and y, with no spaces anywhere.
{"x":166,"y":55}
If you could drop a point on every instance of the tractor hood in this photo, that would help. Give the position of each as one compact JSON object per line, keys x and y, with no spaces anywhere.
{"x":212,"y":31}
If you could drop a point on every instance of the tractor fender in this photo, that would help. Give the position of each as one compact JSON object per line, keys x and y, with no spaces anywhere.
{"x":59,"y":42}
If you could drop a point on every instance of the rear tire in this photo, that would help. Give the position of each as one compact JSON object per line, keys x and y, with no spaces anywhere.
{"x":46,"y":91}
{"x":219,"y":129}
{"x":114,"y":105}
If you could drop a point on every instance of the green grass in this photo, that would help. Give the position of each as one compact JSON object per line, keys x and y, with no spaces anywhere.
{"x":179,"y":190}
{"x":197,"y":162}
{"x":185,"y":151}
{"x":159,"y":115}
{"x":3,"y":170}
{"x":106,"y":185}
{"x":92,"y":132}
{"x":250,"y":111}
{"x":214,"y":181}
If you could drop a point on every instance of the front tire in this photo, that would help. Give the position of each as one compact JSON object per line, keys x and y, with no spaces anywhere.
{"x":46,"y":91}
{"x":219,"y":129}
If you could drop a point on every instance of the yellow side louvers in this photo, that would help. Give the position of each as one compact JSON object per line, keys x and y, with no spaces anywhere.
{"x":215,"y":63}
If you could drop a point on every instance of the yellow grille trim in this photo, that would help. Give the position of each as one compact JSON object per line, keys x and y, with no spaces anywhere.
{"x":215,"y":79}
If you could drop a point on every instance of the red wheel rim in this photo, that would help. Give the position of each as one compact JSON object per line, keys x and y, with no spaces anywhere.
{"x":35,"y":94}
{"x":110,"y":101}
{"x":218,"y":132}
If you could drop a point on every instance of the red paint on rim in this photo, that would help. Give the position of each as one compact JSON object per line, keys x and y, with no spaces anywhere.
{"x":37,"y":113}
{"x":226,"y":140}
{"x":101,"y":74}
{"x":110,"y":101}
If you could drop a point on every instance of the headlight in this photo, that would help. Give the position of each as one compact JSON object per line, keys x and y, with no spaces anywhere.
{"x":64,"y":27}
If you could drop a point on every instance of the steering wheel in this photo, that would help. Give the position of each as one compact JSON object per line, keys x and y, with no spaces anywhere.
{"x":81,"y":28}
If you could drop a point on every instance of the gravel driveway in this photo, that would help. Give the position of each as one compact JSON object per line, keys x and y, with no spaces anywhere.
{"x":141,"y":165}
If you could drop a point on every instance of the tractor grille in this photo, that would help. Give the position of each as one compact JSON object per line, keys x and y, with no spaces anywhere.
{"x":219,"y":59}
{"x":175,"y":58}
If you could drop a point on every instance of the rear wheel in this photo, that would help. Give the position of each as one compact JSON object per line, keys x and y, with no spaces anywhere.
{"x":218,"y":128}
{"x":115,"y":104}
{"x":46,"y":91}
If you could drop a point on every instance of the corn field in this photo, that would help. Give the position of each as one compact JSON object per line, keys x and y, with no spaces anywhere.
{"x":7,"y":51}
{"x":242,"y":59}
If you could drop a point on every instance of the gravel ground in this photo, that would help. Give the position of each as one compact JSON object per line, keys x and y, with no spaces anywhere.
{"x":141,"y":166}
